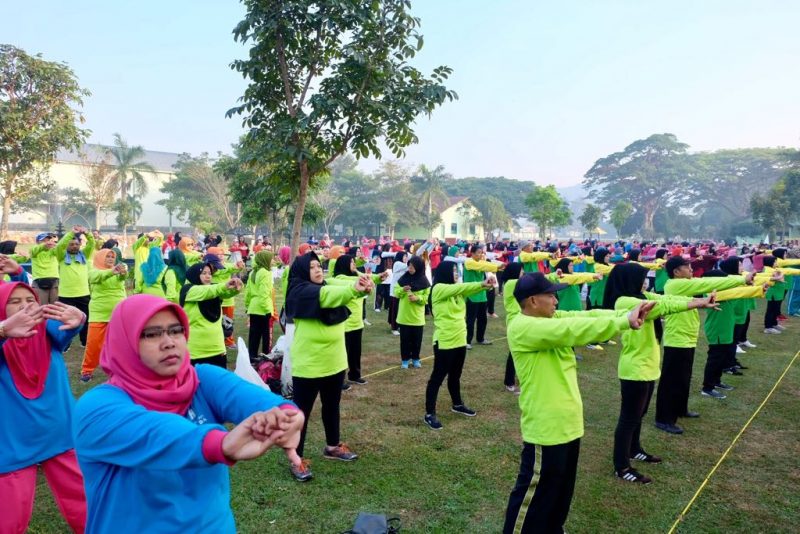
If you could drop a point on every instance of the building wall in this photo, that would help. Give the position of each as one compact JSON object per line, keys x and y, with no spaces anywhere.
{"x":68,"y":174}
{"x":455,"y":225}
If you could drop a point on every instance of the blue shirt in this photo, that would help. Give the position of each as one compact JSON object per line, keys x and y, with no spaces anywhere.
{"x":35,"y":430}
{"x":144,"y":470}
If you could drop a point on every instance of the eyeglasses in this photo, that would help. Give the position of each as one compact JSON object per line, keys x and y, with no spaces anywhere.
{"x":156,"y":332}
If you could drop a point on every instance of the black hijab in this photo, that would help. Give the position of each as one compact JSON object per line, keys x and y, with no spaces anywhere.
{"x":511,"y":272}
{"x":8,"y":247}
{"x":563,"y":264}
{"x":634,"y":254}
{"x":729,"y":265}
{"x":211,"y":309}
{"x":660,"y":253}
{"x":418,"y":281}
{"x":624,"y":280}
{"x":343,"y":265}
{"x":600,"y":254}
{"x":715,"y":273}
{"x":302,"y":295}
{"x":779,"y":253}
{"x":399,"y":256}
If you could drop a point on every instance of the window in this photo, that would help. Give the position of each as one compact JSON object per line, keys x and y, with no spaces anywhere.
{"x":454,"y":228}
{"x":471,"y":229}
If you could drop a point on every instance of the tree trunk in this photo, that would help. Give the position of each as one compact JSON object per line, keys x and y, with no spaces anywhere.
{"x":6,"y":212}
{"x":97,"y":217}
{"x":649,"y":213}
{"x":297,"y":224}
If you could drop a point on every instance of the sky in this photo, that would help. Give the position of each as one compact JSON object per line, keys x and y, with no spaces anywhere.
{"x":545,"y":88}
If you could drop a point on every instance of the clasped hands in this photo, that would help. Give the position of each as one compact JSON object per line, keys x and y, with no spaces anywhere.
{"x":255,"y":435}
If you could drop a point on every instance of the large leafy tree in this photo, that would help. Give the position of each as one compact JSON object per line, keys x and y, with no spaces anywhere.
{"x":650,"y":173}
{"x":38,"y":117}
{"x":548,"y":209}
{"x":776,"y":210}
{"x":511,"y":192}
{"x":620,"y":214}
{"x":327,"y":77}
{"x":590,"y":218}
{"x":199,"y":195}
{"x":129,"y":167}
{"x":492,"y":214}
{"x":428,"y":186}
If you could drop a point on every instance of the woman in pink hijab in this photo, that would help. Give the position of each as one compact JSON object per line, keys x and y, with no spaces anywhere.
{"x":151,"y":442}
{"x":37,"y":406}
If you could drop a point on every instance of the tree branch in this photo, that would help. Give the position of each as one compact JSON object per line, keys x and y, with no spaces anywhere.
{"x":287,"y":88}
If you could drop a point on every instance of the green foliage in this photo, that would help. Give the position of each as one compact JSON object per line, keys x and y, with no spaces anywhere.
{"x":776,"y":210}
{"x":37,"y":119}
{"x":649,"y":173}
{"x":129,"y":166}
{"x":590,"y":217}
{"x":328,"y":77}
{"x":548,"y":209}
{"x":493,"y":214}
{"x":620,"y":214}
{"x":511,"y":192}
{"x":428,"y":187}
{"x":200,"y":195}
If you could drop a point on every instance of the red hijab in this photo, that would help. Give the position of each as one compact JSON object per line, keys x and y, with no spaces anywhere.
{"x":121,"y":362}
{"x":28,"y":358}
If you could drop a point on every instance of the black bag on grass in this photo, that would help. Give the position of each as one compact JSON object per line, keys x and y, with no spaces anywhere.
{"x":374,"y":524}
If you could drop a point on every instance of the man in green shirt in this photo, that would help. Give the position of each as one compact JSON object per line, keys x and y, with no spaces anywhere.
{"x":44,"y":268}
{"x":73,"y":269}
{"x":475,"y":269}
{"x":540,"y":339}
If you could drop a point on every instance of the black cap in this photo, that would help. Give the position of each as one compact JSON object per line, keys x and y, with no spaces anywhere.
{"x":535,"y":284}
{"x":674,"y":262}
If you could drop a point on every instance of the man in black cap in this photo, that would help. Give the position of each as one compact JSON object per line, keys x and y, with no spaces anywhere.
{"x":541,"y":340}
{"x":680,"y":340}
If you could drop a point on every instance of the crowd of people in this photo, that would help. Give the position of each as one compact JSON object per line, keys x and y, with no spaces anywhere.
{"x":150,"y":444}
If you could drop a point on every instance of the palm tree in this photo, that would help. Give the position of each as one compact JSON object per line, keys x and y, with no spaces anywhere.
{"x":129,"y":164}
{"x":429,"y":185}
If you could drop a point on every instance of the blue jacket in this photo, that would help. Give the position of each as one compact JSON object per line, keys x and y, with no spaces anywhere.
{"x":34,"y":430}
{"x":144,"y":470}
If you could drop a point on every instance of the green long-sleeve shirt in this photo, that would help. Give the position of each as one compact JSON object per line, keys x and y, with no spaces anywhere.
{"x":449,"y":313}
{"x":356,"y":306}
{"x":550,"y":401}
{"x":640,"y":358}
{"x":44,"y":263}
{"x":74,"y":276}
{"x":411,"y":313}
{"x":206,"y":338}
{"x":719,"y":324}
{"x":107,"y":290}
{"x":681,"y":329}
{"x":258,"y":296}
{"x":474,"y":271}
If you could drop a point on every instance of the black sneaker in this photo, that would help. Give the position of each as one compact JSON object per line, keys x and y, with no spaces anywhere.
{"x":714,"y":394}
{"x":644,"y":457}
{"x":741,"y":367}
{"x":346,"y":386}
{"x":733,"y":371}
{"x":668,"y":427}
{"x":359,"y":381}
{"x":692,"y":415}
{"x":431,"y":420}
{"x":726,"y":387}
{"x":463,"y":410}
{"x":632,"y":475}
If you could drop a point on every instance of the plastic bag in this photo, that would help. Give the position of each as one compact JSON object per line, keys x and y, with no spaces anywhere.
{"x":282,"y":345}
{"x":243,"y":367}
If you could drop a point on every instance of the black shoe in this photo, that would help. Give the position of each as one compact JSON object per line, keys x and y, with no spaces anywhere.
{"x":733,"y":371}
{"x":692,"y":415}
{"x":714,"y":394}
{"x":740,"y":366}
{"x":463,"y":410}
{"x":359,"y":381}
{"x":644,"y":457}
{"x":726,"y":387}
{"x":632,"y":475}
{"x":485,"y":342}
{"x":667,"y":427}
{"x":431,"y":420}
{"x":346,"y":386}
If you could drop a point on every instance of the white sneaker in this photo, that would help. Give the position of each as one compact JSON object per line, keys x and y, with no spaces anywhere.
{"x":377,"y":310}
{"x":367,"y":323}
{"x":747,"y":344}
{"x":779,"y":327}
{"x":771,"y":331}
{"x":594,"y":347}
{"x":395,"y":332}
{"x":611,"y":342}
{"x":740,"y":350}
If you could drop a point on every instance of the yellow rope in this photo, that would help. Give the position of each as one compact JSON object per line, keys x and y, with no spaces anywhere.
{"x":725,"y":454}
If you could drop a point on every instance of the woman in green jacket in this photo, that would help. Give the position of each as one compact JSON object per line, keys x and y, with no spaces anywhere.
{"x":449,"y":338}
{"x":345,"y":271}
{"x":319,"y":357}
{"x":202,"y":302}
{"x":175,"y":275}
{"x":639,"y":361}
{"x":151,"y":281}
{"x":258,"y":301}
{"x":107,"y":289}
{"x":412,"y":292}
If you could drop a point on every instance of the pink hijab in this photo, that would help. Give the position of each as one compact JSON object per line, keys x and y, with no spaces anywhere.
{"x":120,"y":357}
{"x":285,"y":254}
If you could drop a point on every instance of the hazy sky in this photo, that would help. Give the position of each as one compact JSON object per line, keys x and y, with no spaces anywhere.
{"x":545,"y":88}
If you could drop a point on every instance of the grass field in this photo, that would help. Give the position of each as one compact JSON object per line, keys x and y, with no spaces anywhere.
{"x":457,"y":480}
